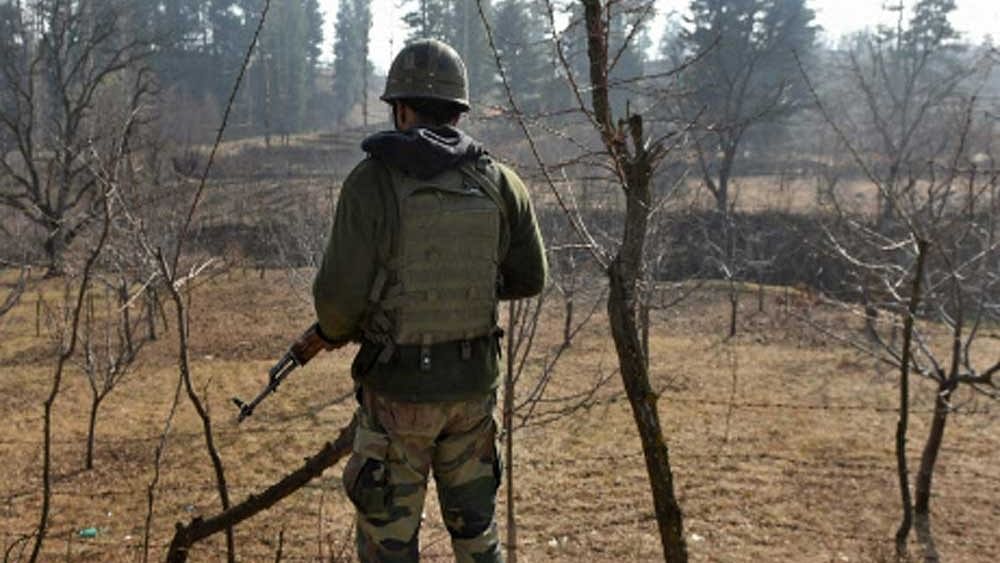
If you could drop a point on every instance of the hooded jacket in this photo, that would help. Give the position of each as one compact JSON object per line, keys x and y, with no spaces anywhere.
{"x":366,"y":216}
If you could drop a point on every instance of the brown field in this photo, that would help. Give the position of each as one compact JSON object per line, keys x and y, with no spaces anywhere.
{"x":781,"y":442}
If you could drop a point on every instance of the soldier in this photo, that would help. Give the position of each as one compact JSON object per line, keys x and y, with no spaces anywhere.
{"x":429,"y":234}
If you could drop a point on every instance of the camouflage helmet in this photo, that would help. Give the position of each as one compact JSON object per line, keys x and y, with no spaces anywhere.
{"x":428,"y":68}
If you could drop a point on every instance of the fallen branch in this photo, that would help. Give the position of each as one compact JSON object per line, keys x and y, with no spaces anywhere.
{"x":186,"y":536}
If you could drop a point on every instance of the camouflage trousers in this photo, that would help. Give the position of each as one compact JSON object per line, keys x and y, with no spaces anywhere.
{"x":396,"y":445}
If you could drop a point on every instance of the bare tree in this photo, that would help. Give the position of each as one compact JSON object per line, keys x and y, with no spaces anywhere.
{"x":940,"y":240}
{"x":747,"y":77}
{"x":629,"y":157}
{"x":68,"y":337}
{"x":59,"y":60}
{"x":176,"y":274}
{"x":111,"y":345}
{"x":103,"y":167}
{"x":905,"y":76}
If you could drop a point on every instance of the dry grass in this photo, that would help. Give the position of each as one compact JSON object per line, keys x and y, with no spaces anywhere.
{"x":781,"y":443}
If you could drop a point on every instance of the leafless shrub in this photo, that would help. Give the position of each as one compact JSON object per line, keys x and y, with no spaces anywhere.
{"x":111,"y":344}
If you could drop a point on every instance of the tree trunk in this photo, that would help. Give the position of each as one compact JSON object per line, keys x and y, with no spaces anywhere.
{"x":184,"y":365}
{"x":151,"y":313}
{"x":922,"y":489}
{"x":734,"y":307}
{"x":645,"y":319}
{"x":54,"y":250}
{"x":624,"y":273}
{"x":904,"y":403}
{"x":623,"y":315}
{"x":568,"y":320}
{"x":643,"y":401}
{"x":95,"y":403}
{"x":126,"y":317}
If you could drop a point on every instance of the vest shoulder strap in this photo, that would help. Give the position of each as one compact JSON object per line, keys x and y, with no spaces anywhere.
{"x":486,"y":176}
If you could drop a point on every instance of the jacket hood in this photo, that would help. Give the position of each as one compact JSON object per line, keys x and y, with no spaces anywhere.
{"x":423,"y":152}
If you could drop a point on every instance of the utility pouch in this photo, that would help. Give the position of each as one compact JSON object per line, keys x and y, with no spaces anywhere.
{"x":366,"y":475}
{"x":365,"y":360}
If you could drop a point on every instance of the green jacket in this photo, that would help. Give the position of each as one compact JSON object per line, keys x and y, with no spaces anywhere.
{"x":365,"y":216}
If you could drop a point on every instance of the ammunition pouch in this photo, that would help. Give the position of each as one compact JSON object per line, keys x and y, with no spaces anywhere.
{"x":366,"y":475}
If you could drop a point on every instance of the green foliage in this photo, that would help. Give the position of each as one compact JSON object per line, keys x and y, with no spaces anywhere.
{"x":201,"y":44}
{"x":747,"y":75}
{"x":457,"y":23}
{"x":523,"y":47}
{"x":430,"y":19}
{"x":628,"y":42}
{"x":284,"y":42}
{"x":749,"y":71}
{"x":351,"y":66}
{"x":314,"y":32}
{"x":929,"y":27}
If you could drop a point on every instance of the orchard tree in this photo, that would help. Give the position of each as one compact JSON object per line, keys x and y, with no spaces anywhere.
{"x":902,"y":76}
{"x":627,"y":160}
{"x":747,"y":75}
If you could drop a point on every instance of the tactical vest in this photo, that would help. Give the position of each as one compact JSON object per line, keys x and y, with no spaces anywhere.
{"x":439,"y":282}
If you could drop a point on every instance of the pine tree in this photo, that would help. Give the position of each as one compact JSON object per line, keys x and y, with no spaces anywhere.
{"x":228,"y":24}
{"x":629,"y":43}
{"x":351,"y":67}
{"x":279,"y":91}
{"x":314,"y":40}
{"x":363,"y":18}
{"x":429,"y":19}
{"x":457,"y":23}
{"x":469,"y":39}
{"x":747,"y":75}
{"x":523,"y":47}
{"x":13,"y":51}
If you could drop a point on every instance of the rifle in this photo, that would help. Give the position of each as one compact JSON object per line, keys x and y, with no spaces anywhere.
{"x":302,"y":350}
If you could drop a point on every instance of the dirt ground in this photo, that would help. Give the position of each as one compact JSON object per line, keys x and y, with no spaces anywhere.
{"x":781,"y":441}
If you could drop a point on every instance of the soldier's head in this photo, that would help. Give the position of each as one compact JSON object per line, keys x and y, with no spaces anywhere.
{"x":427,"y":85}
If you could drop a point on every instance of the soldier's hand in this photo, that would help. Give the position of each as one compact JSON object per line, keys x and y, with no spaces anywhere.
{"x":311,"y":343}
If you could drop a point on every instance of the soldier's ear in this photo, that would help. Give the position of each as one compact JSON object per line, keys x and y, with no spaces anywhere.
{"x":394,"y":112}
{"x":405,"y":116}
